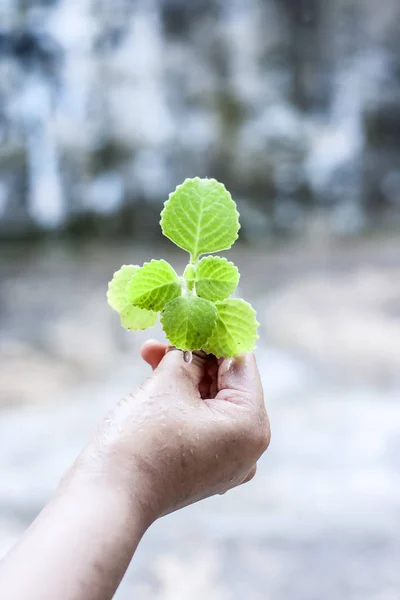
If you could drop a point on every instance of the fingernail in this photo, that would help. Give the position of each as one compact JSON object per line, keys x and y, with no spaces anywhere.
{"x":235,"y":365}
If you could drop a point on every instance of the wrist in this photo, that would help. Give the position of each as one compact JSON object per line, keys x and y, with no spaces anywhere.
{"x":104,"y":472}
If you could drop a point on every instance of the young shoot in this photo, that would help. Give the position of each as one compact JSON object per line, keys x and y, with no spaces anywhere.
{"x":196,"y":310}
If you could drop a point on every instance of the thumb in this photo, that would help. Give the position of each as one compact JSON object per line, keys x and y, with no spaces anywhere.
{"x":239,"y":381}
{"x":175,"y":364}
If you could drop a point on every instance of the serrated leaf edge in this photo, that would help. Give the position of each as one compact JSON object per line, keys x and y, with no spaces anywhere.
{"x":156,"y":260}
{"x":111,"y":280}
{"x":178,"y":187}
{"x":162,"y":320}
{"x":226,"y":261}
{"x":256,"y":323}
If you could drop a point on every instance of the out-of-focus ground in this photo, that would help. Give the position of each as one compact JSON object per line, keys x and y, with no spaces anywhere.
{"x":295,"y":105}
{"x":321,"y":519}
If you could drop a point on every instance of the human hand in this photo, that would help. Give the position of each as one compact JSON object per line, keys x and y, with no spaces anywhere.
{"x":189,"y":432}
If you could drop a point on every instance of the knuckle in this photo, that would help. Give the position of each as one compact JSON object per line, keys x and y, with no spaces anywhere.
{"x":251,"y":475}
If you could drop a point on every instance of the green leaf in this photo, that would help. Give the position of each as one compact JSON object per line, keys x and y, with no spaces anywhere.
{"x":132,"y":317}
{"x":200,"y":217}
{"x":217,"y":278}
{"x":154,"y":284}
{"x":188,"y":322}
{"x":117,"y":288}
{"x":235,"y":331}
{"x":135,"y":319}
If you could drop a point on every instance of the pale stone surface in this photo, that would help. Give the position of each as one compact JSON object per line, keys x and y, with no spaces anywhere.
{"x":321,"y":518}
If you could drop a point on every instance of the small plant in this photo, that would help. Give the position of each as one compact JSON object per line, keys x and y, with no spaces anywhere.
{"x":197,"y":312}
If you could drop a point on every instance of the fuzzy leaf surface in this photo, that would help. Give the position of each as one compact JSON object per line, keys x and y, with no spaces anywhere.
{"x":235,"y":330}
{"x":216,"y":278}
{"x":154,"y":285}
{"x":200,"y":217}
{"x":188,"y":322}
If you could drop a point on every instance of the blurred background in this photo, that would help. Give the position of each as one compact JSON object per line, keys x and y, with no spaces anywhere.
{"x":295,"y":105}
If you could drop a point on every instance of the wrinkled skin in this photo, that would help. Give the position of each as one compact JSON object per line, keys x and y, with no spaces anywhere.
{"x":190,"y":431}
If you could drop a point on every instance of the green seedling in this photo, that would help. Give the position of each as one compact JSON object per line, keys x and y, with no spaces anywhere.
{"x":197,"y":312}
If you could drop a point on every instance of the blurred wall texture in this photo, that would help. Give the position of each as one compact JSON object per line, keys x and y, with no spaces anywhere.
{"x":106,"y":106}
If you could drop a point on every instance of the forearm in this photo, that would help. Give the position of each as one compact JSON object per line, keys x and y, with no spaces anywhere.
{"x":78,"y":548}
{"x":164,"y":448}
